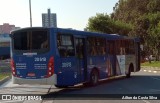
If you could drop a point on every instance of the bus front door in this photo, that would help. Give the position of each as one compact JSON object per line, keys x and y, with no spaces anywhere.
{"x":137,"y":56}
{"x":81,"y":59}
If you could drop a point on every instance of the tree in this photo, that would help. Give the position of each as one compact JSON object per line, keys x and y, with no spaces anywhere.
{"x":100,"y":23}
{"x":145,"y":17}
{"x":129,"y":10}
{"x":154,"y":33}
{"x":135,"y":18}
{"x":105,"y":24}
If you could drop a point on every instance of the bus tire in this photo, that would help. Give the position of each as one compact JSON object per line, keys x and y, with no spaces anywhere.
{"x":94,"y":78}
{"x":128,"y":75}
{"x":86,"y":84}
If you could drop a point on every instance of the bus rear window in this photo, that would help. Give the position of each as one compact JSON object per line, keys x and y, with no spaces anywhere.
{"x":30,"y":40}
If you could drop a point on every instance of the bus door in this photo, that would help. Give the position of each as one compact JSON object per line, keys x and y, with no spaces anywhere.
{"x":111,"y":62}
{"x":81,"y":59}
{"x":114,"y":59}
{"x":137,"y":48}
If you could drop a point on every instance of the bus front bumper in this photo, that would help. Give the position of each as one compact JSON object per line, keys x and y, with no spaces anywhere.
{"x":45,"y":81}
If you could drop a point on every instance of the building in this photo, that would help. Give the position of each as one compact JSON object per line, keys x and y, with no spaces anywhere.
{"x":6,"y":28}
{"x":49,"y":19}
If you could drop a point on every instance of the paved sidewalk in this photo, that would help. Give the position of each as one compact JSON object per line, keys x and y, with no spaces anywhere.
{"x":150,"y":68}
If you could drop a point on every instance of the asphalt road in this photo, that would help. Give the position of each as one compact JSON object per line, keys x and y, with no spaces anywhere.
{"x":141,"y":85}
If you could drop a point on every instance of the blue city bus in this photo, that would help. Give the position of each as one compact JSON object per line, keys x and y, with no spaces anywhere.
{"x":65,"y":57}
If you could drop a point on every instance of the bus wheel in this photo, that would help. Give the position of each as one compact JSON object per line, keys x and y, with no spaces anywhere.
{"x":94,"y":78}
{"x":128,"y":75}
{"x":86,"y":84}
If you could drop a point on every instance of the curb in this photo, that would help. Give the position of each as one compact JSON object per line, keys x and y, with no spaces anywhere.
{"x":150,"y":68}
{"x":150,"y":71}
{"x":5,"y":80}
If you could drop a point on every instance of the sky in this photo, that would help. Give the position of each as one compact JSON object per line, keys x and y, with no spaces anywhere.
{"x":70,"y":13}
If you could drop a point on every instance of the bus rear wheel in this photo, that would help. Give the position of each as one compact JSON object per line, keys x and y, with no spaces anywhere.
{"x":94,"y":78}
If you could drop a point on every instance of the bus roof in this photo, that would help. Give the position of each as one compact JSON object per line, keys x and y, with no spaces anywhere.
{"x":86,"y":33}
{"x":80,"y":33}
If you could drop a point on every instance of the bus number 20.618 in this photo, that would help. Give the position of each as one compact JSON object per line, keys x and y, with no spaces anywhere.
{"x":67,"y":64}
{"x":40,"y":59}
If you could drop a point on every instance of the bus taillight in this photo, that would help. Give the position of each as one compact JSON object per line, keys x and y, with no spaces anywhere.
{"x":13,"y":67}
{"x":50,"y":67}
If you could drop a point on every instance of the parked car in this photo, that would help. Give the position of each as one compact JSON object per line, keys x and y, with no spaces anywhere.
{"x":152,"y":57}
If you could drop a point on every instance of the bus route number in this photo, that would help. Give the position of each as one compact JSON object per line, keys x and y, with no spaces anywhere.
{"x":40,"y":59}
{"x":66,"y":65}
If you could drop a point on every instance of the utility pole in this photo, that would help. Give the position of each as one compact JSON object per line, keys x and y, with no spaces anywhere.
{"x":30,"y":13}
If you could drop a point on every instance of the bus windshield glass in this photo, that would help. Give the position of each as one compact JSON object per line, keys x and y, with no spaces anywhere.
{"x":30,"y":40}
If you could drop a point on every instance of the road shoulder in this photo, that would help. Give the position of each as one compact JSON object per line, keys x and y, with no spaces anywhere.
{"x":5,"y":80}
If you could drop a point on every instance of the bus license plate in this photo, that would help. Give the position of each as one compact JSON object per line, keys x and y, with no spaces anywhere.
{"x":31,"y":74}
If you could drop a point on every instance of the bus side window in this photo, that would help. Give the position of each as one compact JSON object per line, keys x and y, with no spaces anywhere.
{"x":111,"y":47}
{"x":44,"y":44}
{"x":103,"y":47}
{"x":92,"y":46}
{"x":79,"y":48}
{"x":65,"y":45}
{"x":96,"y":46}
{"x":129,"y":47}
{"x":120,"y":47}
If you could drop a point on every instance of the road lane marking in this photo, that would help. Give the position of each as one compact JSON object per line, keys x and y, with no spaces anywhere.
{"x":145,"y":101}
{"x":155,"y":78}
{"x":154,"y":90}
{"x":15,"y":101}
{"x":154,"y":71}
{"x":149,"y":71}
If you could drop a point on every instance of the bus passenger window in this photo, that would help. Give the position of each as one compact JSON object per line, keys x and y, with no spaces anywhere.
{"x":111,"y":47}
{"x":92,"y":46}
{"x":93,"y":51}
{"x":44,"y":44}
{"x":79,"y":48}
{"x":65,"y":45}
{"x":96,"y":46}
{"x":103,"y":50}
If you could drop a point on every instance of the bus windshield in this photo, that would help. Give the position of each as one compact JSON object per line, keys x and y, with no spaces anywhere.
{"x":30,"y":40}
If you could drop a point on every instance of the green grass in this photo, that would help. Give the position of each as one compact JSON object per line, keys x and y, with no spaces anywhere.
{"x":152,"y":64}
{"x":4,"y":75}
